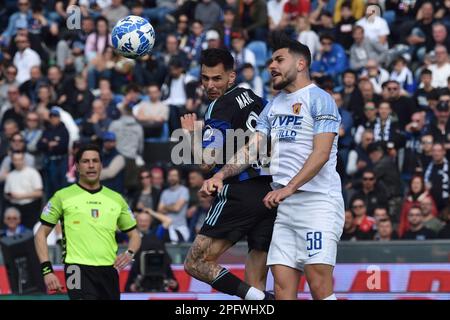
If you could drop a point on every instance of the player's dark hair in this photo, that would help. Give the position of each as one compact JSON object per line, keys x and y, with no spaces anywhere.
{"x":280,"y":40}
{"x":87,"y":147}
{"x":214,"y":56}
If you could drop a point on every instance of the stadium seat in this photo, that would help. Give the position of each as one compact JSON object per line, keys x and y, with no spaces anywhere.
{"x":259,"y":48}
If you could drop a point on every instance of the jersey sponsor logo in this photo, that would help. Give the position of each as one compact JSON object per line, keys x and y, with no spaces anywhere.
{"x":47,"y":208}
{"x":95,"y":213}
{"x":296,"y":108}
{"x":326,"y":117}
{"x":287,"y":120}
{"x":244,"y":100}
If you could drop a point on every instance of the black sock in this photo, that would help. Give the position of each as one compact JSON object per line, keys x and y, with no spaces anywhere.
{"x":228,"y":283}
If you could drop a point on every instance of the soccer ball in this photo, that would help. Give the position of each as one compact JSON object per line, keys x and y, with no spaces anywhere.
{"x":133,"y":37}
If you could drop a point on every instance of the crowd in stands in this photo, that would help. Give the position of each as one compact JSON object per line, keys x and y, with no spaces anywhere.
{"x":62,"y":85}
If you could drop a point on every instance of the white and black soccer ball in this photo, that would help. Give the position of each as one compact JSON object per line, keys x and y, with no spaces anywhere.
{"x":133,"y":37}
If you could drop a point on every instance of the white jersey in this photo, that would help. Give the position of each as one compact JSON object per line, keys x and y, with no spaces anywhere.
{"x":292,"y":120}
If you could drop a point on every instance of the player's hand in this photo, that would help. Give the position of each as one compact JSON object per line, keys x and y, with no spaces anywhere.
{"x":211,"y":186}
{"x":52,"y":283}
{"x":274,"y":198}
{"x":188,"y":121}
{"x":122,"y":261}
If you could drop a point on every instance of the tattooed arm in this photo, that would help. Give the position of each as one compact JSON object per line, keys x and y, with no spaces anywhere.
{"x":243,"y":158}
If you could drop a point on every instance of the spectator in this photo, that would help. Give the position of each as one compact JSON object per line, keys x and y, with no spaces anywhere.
{"x":32,"y":134}
{"x":130,"y":143}
{"x":364,"y":49}
{"x":253,"y":19}
{"x":441,"y":69}
{"x":230,"y":23}
{"x":418,"y":39}
{"x":416,"y":193}
{"x":377,"y":29}
{"x":147,"y":196}
{"x":137,"y":282}
{"x":16,"y":144}
{"x":195,"y":180}
{"x":153,"y":114}
{"x":385,"y":231}
{"x":373,"y":195}
{"x":23,"y":189}
{"x":345,"y":130}
{"x":363,"y":222}
{"x":157,"y":176}
{"x":436,"y":176}
{"x":199,"y":215}
{"x":376,"y":75}
{"x":45,"y":98}
{"x":440,"y":36}
{"x":403,"y":106}
{"x":425,"y":91}
{"x":380,"y":213}
{"x":344,"y":27}
{"x":10,"y":127}
{"x":16,"y":19}
{"x":355,"y":8}
{"x":429,"y":213}
{"x":55,"y":145}
{"x":426,"y":143}
{"x":445,"y":231}
{"x":208,"y":12}
{"x":413,"y":134}
{"x":403,"y":75}
{"x":350,"y":228}
{"x":275,"y":11}
{"x":322,"y":22}
{"x":18,"y":111}
{"x":79,"y":100}
{"x":358,"y":158}
{"x":417,"y":229}
{"x":98,"y":41}
{"x":12,"y":221}
{"x":307,"y":36}
{"x":292,"y":10}
{"x":388,"y":175}
{"x":439,"y":127}
{"x":113,"y":172}
{"x":174,"y":202}
{"x":12,"y":95}
{"x":352,"y":97}
{"x":241,"y":54}
{"x":175,"y":92}
{"x":250,"y":80}
{"x":195,"y":45}
{"x":30,"y":87}
{"x":370,"y":117}
{"x":212,"y":38}
{"x":386,"y":127}
{"x":114,"y":12}
{"x":332,"y":60}
{"x":95,"y":124}
{"x":24,"y":59}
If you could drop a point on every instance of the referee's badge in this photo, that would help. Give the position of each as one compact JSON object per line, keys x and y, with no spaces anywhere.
{"x":296,"y":108}
{"x":95,"y":213}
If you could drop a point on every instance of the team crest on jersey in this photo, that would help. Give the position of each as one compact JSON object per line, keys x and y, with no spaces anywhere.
{"x":95,"y":213}
{"x":296,"y":108}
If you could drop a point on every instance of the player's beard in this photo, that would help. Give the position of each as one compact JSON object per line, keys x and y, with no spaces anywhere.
{"x":290,"y":77}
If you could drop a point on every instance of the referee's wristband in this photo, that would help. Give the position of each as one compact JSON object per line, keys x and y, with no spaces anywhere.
{"x":46,"y":268}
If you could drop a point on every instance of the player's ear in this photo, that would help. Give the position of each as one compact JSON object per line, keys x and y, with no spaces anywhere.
{"x":232,"y":78}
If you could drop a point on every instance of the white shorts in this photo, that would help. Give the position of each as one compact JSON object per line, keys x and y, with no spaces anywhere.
{"x":307,"y":229}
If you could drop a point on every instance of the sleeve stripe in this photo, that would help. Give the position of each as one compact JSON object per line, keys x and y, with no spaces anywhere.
{"x":130,"y":229}
{"x":46,"y":223}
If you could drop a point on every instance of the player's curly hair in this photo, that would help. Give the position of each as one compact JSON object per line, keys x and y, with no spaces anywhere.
{"x":280,"y":40}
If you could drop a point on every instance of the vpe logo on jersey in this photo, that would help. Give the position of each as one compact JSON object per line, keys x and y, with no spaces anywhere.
{"x":95,"y":213}
{"x":296,"y":108}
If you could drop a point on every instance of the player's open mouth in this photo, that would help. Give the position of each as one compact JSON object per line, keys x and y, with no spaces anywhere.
{"x":91,"y":173}
{"x":275,"y":74}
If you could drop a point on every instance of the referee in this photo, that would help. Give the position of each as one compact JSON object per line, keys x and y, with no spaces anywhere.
{"x":90,"y":214}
